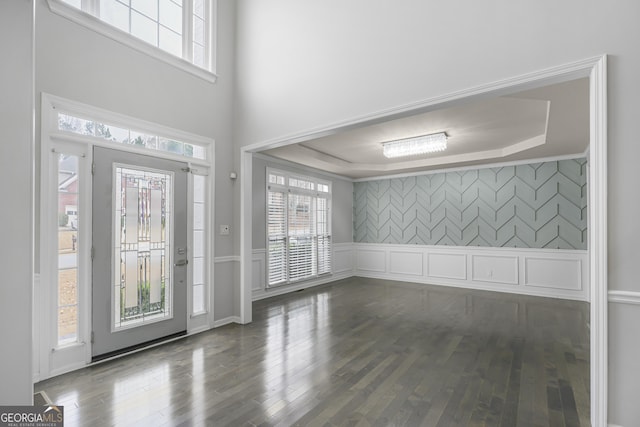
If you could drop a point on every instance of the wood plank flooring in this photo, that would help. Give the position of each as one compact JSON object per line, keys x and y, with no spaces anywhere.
{"x":359,"y":352}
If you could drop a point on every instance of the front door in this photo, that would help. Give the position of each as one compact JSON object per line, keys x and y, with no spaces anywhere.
{"x":139,"y":289}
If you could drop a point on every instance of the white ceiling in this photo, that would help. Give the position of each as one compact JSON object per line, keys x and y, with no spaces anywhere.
{"x":546,"y":122}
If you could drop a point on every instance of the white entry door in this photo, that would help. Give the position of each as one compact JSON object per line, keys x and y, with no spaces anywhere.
{"x":139,"y":288}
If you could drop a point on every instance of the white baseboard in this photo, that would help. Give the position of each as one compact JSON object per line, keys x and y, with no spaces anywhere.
{"x":540,"y":272}
{"x":226,"y":321}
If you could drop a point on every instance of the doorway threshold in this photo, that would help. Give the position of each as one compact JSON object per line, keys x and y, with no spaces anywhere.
{"x":136,"y":348}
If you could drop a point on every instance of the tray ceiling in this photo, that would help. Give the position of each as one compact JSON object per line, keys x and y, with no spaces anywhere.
{"x":540,"y":123}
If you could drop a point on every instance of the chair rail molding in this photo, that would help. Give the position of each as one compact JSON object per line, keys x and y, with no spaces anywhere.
{"x":624,"y":297}
{"x":229,"y":258}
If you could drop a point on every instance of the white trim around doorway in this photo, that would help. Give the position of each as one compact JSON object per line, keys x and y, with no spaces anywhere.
{"x":595,"y":69}
{"x":50,"y":357}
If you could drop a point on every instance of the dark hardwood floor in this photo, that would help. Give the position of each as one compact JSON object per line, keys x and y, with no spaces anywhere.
{"x":359,"y":352}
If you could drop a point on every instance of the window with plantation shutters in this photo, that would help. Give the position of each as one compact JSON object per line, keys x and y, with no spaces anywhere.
{"x":277,"y":236}
{"x":298,"y":227}
{"x":323,"y":235}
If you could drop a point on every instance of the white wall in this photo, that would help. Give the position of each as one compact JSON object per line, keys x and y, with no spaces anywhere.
{"x":16,"y":145}
{"x":76,"y":63}
{"x":305,"y":65}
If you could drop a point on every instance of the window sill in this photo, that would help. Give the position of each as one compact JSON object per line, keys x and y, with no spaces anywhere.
{"x":95,"y":24}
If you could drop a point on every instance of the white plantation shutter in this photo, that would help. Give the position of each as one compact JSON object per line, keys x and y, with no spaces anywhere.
{"x":277,"y":237}
{"x":298,"y":228}
{"x":323,"y":236}
{"x":300,"y":258}
{"x":301,"y":233}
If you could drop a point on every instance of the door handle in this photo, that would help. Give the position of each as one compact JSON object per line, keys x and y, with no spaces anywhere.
{"x":181,"y":263}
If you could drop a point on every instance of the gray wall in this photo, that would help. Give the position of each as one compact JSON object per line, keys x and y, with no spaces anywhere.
{"x":541,"y":205}
{"x":77,"y":63}
{"x":307,"y":65}
{"x":16,"y":167}
{"x":341,"y":201}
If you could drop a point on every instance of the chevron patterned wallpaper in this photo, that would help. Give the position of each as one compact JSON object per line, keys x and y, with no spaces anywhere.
{"x":541,"y":205}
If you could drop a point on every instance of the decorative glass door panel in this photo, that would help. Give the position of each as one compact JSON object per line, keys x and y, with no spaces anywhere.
{"x":140,"y":235}
{"x":143,"y":219}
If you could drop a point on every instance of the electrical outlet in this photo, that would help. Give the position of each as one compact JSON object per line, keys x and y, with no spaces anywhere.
{"x":224,"y":230}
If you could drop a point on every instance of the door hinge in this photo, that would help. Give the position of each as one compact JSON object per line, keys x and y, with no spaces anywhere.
{"x":92,"y":337}
{"x":93,"y":168}
{"x":93,"y":253}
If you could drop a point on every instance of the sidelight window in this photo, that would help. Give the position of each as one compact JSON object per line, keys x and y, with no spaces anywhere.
{"x":200,"y":244}
{"x":68,"y":170}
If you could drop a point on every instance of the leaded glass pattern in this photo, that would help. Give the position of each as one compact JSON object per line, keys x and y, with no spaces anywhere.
{"x":143,"y":221}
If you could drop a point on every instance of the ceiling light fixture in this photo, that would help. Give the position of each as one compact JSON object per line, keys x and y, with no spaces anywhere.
{"x":416,"y":145}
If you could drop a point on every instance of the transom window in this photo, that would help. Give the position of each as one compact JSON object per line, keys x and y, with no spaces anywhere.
{"x":123,"y":135}
{"x":298,"y":227}
{"x":182,"y":28}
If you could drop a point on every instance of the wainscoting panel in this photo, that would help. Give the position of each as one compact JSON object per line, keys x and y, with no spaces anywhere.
{"x":496,"y":269}
{"x":371,"y":260}
{"x":258,"y":269}
{"x":548,"y":272}
{"x":406,"y":262}
{"x":342,"y":258}
{"x":441,"y":265}
{"x":551,"y":273}
{"x":343,"y":267}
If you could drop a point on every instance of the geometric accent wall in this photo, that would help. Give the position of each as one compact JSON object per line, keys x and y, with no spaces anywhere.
{"x":540,"y":205}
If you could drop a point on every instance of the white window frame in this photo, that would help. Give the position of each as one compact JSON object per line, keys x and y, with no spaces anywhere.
{"x":50,"y":358}
{"x":88,"y":18}
{"x":206,"y":313}
{"x":61,"y":353}
{"x":315,"y":193}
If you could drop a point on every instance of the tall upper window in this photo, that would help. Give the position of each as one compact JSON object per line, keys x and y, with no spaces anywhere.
{"x":182,"y":28}
{"x":298,"y":227}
